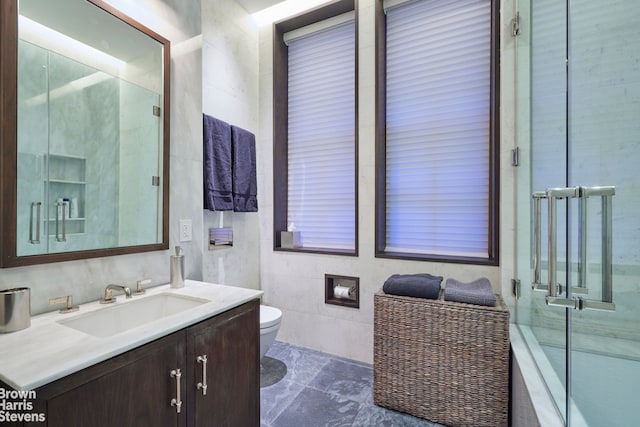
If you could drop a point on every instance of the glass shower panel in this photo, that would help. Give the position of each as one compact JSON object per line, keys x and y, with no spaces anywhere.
{"x":33,"y":140}
{"x":84,"y":137}
{"x":604,"y":131}
{"x":140,"y":204}
{"x":548,"y":157}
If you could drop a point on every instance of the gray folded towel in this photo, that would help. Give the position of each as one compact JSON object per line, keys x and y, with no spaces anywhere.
{"x":422,"y":285}
{"x":217,"y":170}
{"x":477,"y":292}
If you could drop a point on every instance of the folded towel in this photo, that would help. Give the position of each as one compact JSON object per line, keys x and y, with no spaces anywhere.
{"x":245,"y":188}
{"x":477,"y":292}
{"x":421,"y":285}
{"x":217,"y":171}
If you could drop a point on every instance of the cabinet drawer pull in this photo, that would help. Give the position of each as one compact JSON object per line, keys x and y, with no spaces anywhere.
{"x":177,"y":402}
{"x":203,"y":385}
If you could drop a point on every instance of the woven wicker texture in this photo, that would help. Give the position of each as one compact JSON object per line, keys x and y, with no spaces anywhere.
{"x":444,"y":361}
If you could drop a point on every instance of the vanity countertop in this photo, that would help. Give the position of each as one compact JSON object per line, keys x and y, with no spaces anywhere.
{"x":48,"y":350}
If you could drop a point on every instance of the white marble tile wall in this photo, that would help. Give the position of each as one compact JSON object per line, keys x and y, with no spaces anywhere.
{"x":230,"y":93}
{"x":294,"y":281}
{"x":179,"y":21}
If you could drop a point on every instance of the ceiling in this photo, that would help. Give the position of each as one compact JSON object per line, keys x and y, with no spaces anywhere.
{"x":90,"y":25}
{"x":86,"y":23}
{"x":255,"y":5}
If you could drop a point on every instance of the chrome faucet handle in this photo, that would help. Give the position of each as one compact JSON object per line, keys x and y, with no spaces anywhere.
{"x":68,"y":300}
{"x":108,"y":297}
{"x":139,"y":284}
{"x":108,"y":293}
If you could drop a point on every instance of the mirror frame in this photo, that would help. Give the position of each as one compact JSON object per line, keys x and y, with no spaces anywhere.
{"x":9,"y":141}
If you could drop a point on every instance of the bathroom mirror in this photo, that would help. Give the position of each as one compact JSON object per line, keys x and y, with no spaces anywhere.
{"x":85,"y":132}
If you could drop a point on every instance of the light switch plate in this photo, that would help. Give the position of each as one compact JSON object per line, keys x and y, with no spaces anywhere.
{"x":186,"y":230}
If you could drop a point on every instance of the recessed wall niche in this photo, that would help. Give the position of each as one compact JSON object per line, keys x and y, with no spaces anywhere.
{"x":342,"y":290}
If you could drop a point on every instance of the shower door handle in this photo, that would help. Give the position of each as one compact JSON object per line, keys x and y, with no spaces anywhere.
{"x":551,"y":195}
{"x":537,"y":284}
{"x":35,"y":239}
{"x":606,"y":194}
{"x":552,"y":287}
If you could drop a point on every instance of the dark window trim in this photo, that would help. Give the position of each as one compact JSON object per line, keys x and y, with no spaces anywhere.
{"x":493,"y":258}
{"x":280,"y":120}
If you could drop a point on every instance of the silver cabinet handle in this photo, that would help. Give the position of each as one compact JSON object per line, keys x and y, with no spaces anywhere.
{"x":203,"y":385}
{"x":35,"y":240}
{"x":177,"y":402}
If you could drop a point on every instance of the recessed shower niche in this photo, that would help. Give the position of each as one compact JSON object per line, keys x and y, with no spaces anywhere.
{"x":66,"y":195}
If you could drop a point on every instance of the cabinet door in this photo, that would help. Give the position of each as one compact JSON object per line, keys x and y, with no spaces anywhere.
{"x":133,"y":389}
{"x":231,"y":343}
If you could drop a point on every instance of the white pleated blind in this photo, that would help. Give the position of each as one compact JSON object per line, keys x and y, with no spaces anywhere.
{"x":438,"y":114}
{"x":321,"y":137}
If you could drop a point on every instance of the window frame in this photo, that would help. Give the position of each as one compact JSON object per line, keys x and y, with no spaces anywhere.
{"x":493,"y":237}
{"x":280,"y":121}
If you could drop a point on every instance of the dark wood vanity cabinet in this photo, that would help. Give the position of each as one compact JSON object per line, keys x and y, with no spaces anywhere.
{"x":136,"y":388}
{"x":130,"y":389}
{"x":231,"y":344}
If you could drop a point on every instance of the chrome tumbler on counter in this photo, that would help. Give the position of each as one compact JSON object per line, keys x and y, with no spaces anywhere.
{"x":15,"y":309}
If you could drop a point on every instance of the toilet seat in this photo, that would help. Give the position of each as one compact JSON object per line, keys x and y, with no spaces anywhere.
{"x":269,"y":316}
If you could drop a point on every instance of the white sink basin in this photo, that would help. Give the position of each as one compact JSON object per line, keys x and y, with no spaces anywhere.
{"x":121,"y":317}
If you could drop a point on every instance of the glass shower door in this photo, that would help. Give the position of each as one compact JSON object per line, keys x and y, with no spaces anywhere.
{"x":33,"y":144}
{"x":584,"y":132}
{"x":604,"y":149}
{"x":542,"y":106}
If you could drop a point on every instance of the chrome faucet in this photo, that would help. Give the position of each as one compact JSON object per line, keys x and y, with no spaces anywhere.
{"x":108,"y":296}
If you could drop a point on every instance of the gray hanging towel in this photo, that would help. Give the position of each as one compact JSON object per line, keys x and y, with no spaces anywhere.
{"x":217,"y":168}
{"x":245,"y":188}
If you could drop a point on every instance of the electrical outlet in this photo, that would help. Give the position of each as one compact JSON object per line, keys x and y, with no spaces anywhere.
{"x":185,"y":230}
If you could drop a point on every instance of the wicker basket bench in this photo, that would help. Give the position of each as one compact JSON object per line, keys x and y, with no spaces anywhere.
{"x":444,"y":361}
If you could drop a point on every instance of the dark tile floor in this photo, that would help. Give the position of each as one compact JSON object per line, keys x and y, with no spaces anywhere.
{"x":306,"y":388}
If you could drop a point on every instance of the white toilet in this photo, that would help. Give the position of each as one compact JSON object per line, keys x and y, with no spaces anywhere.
{"x":269,"y":325}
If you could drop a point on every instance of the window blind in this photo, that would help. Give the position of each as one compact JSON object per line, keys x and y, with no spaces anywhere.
{"x":438,"y":93}
{"x":321,"y":137}
{"x":319,"y":26}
